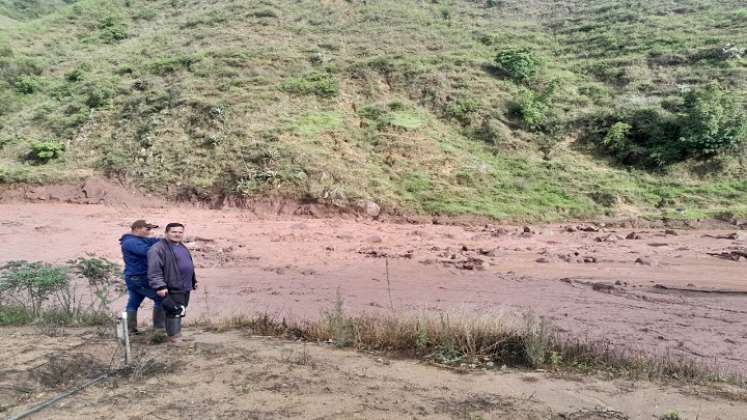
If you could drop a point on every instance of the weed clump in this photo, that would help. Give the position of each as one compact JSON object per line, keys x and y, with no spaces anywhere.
{"x":320,"y":84}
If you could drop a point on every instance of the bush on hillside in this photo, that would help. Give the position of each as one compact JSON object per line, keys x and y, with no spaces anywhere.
{"x":96,"y":95}
{"x":28,"y":84}
{"x":463,"y":110}
{"x":44,"y":151}
{"x":714,"y":120}
{"x":521,"y":65}
{"x":112,"y":30}
{"x":536,"y":110}
{"x":320,"y":84}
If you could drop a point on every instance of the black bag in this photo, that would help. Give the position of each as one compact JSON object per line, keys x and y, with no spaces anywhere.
{"x":172,"y":307}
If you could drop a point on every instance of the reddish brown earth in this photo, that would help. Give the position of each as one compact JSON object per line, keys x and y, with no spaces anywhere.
{"x":586,"y":280}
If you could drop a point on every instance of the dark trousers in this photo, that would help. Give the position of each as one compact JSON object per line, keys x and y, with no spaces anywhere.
{"x":137,"y":290}
{"x":179,"y":298}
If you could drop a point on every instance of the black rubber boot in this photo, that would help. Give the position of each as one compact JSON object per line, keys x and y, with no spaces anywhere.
{"x":173,"y":326}
{"x":159,"y":319}
{"x":132,"y":322}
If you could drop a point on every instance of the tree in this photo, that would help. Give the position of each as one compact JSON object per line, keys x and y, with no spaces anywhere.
{"x":714,"y":120}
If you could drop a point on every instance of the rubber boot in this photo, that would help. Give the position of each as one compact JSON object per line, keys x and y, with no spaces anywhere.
{"x":132,"y":322}
{"x":159,"y":319}
{"x":173,"y":327}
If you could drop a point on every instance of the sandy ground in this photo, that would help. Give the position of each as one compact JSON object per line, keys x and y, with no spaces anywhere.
{"x":235,"y":376}
{"x":660,"y":291}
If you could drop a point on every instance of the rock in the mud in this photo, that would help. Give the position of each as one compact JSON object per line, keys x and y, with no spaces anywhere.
{"x":645,"y":261}
{"x":374,"y":239}
{"x":670,"y":232}
{"x":587,"y":228}
{"x":612,"y":237}
{"x":488,"y":252}
{"x":369,"y":208}
{"x":543,"y":260}
{"x":737,"y":236}
{"x":603,"y":287}
{"x":633,"y":235}
{"x":590,"y":260}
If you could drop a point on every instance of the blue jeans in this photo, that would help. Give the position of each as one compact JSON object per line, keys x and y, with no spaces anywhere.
{"x":137,"y":290}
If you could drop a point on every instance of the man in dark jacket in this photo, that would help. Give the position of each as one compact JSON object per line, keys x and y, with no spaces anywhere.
{"x":171,"y":273}
{"x":135,"y":247}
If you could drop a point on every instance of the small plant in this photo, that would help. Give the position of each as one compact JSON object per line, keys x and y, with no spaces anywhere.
{"x":45,"y":151}
{"x":103,"y":277}
{"x":75,"y":75}
{"x":320,"y":84}
{"x":338,"y":322}
{"x":521,"y":65}
{"x":537,"y":340}
{"x":28,"y":84}
{"x":463,"y":110}
{"x":670,"y":415}
{"x":491,"y":3}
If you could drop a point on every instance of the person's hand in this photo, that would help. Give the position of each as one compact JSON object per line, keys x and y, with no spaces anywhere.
{"x":162,"y":292}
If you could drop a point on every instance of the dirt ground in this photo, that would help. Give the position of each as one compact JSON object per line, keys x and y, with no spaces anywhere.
{"x":236,"y":376}
{"x":671,"y":290}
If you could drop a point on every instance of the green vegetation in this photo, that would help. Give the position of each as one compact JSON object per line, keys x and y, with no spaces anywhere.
{"x":48,"y":295}
{"x":524,"y":110}
{"x":521,"y":65}
{"x":44,"y":151}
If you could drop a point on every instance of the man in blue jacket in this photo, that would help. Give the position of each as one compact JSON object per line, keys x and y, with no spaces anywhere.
{"x":135,"y":246}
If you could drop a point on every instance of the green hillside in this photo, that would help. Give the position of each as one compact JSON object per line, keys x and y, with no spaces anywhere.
{"x":526,"y":110}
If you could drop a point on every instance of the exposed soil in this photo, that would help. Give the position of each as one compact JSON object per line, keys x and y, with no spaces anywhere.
{"x":235,"y":376}
{"x":679,"y":291}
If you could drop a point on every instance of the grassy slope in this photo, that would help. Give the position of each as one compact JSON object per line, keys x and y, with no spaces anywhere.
{"x":204,"y":99}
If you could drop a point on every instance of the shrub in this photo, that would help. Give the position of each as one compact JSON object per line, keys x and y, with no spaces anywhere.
{"x":616,"y":139}
{"x":167,"y":65}
{"x":714,"y":120}
{"x":29,"y":285}
{"x":75,"y":75}
{"x":96,"y":95}
{"x":45,"y":294}
{"x":103,"y":277}
{"x":536,"y":108}
{"x":44,"y":151}
{"x":463,"y":110}
{"x":28,"y":84}
{"x":111,"y":30}
{"x":643,"y":137}
{"x":319,"y":84}
{"x":521,"y":65}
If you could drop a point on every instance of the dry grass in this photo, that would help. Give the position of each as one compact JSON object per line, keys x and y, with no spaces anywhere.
{"x":484,"y":341}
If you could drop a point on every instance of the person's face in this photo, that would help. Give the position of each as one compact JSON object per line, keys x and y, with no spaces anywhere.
{"x":142,"y":231}
{"x":175,"y":234}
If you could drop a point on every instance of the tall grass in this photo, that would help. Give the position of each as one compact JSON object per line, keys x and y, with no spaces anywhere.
{"x":471,"y":341}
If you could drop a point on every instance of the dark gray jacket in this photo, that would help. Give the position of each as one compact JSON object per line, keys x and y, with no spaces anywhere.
{"x":162,"y":269}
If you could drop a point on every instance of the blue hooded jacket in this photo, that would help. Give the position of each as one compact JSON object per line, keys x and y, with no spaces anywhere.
{"x":135,"y":254}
